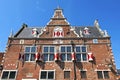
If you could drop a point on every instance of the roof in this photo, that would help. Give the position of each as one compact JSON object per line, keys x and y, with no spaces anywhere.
{"x":58,"y":19}
{"x":27,"y":33}
{"x":93,"y":32}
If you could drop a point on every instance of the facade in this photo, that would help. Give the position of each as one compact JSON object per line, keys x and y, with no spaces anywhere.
{"x":59,"y":51}
{"x":1,"y":61}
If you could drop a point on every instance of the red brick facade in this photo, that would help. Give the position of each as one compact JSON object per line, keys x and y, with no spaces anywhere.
{"x":28,"y":70}
{"x":1,"y":61}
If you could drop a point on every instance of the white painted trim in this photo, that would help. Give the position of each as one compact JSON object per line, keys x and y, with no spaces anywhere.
{"x":48,"y":51}
{"x":102,"y":70}
{"x":29,"y":52}
{"x":83,"y":70}
{"x":42,"y":30}
{"x":29,"y":79}
{"x":67,"y":69}
{"x":73,"y":29}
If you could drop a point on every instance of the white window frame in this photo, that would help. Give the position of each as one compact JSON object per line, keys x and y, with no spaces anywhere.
{"x":95,"y":41}
{"x":29,"y":53}
{"x":81,"y":53}
{"x":47,"y":75}
{"x":29,"y":79}
{"x":66,"y":52}
{"x":48,"y":52}
{"x":9,"y":74}
{"x":103,"y":73}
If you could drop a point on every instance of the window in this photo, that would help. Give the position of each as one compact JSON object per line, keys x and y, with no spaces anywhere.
{"x":30,"y":53}
{"x":81,"y":53}
{"x":66,"y":53}
{"x":103,"y":74}
{"x":83,"y":74}
{"x":8,"y":75}
{"x":95,"y":40}
{"x":48,"y":75}
{"x":66,"y":74}
{"x":48,"y":53}
{"x":106,"y":74}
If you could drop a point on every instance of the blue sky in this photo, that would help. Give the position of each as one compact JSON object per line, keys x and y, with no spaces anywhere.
{"x":13,"y":13}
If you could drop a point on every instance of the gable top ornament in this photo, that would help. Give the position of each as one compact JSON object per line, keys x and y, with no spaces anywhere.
{"x":58,"y":13}
{"x":96,"y":24}
{"x":11,"y":33}
{"x":106,"y":33}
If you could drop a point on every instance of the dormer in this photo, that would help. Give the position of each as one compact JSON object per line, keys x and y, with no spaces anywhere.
{"x":86,"y":31}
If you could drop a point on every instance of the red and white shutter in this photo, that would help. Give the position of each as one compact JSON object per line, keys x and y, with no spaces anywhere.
{"x":21,"y":57}
{"x":37,"y":56}
{"x":90,"y":56}
{"x":73,"y":56}
{"x":41,"y":57}
{"x":58,"y":33}
{"x":56,"y":56}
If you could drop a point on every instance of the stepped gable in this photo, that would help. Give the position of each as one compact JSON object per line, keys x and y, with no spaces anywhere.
{"x":58,"y":18}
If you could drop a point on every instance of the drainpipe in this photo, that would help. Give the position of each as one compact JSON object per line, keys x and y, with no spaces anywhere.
{"x":74,"y":62}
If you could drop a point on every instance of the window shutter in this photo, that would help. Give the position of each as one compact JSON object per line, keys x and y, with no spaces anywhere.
{"x":56,"y":56}
{"x":90,"y":56}
{"x":73,"y":56}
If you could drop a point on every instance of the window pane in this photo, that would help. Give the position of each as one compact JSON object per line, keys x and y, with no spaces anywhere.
{"x":5,"y":75}
{"x":32,"y":57}
{"x":51,"y":57}
{"x":45,"y":57}
{"x":33,"y":49}
{"x":77,"y":49}
{"x":45,"y":49}
{"x":68,"y":57}
{"x":83,"y":49}
{"x":99,"y":73}
{"x":66,"y":74}
{"x":26,"y":57}
{"x":68,"y":49}
{"x":83,"y":74}
{"x":106,"y":75}
{"x":78,"y":57}
{"x":51,"y":49}
{"x":12,"y":75}
{"x":50,"y":75}
{"x":63,"y":57}
{"x":27,"y":49}
{"x":95,"y":41}
{"x":84,"y":56}
{"x":43,"y":75}
{"x":62,"y":49}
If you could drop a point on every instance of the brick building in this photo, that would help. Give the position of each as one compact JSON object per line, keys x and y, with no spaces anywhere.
{"x":118,"y":74}
{"x":1,"y":61}
{"x":59,"y":51}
